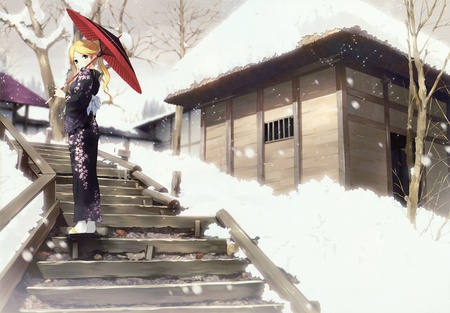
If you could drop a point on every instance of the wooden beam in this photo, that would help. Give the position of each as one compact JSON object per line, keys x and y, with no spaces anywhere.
{"x":161,"y":245}
{"x":14,"y":270}
{"x":229,"y":133}
{"x":343,"y":132}
{"x":148,"y":294}
{"x":158,"y":221}
{"x":152,"y":268}
{"x":387,"y":122}
{"x":260,"y":137}
{"x":241,"y":308}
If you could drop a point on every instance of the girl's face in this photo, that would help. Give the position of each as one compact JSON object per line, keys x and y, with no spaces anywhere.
{"x":81,"y":60}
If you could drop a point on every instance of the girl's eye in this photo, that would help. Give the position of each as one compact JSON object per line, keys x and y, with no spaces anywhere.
{"x":85,"y":56}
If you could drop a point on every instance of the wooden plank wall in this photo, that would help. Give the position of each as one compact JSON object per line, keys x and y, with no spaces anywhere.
{"x":319,"y":122}
{"x":215,"y":135}
{"x":367,"y":133}
{"x":368,"y":157}
{"x":245,"y":137}
{"x":279,"y":155}
{"x":319,"y":139}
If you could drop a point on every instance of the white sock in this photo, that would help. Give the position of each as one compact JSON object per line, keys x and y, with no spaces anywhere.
{"x":80,"y":227}
{"x":90,"y":227}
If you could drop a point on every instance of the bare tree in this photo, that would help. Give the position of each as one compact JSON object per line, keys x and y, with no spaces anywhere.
{"x":33,"y":35}
{"x":36,"y":36}
{"x":181,"y":24}
{"x":429,"y":17}
{"x":175,"y":29}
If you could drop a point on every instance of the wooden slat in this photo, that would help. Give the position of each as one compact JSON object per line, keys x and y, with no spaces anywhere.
{"x":134,"y":220}
{"x":116,"y":190}
{"x":161,"y":245}
{"x":101,"y":172}
{"x":111,"y":199}
{"x":60,"y":161}
{"x":249,"y":308}
{"x":152,"y":268}
{"x":67,"y":207}
{"x":148,"y":294}
{"x":49,"y":146}
{"x":103,"y":181}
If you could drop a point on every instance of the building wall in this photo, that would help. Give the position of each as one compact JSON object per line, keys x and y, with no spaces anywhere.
{"x":245,"y":138}
{"x":278,"y":167}
{"x":344,"y":134}
{"x":369,"y":165}
{"x":319,"y":126}
{"x":215,"y":135}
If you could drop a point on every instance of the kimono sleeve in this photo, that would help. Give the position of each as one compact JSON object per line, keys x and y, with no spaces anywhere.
{"x":81,"y":90}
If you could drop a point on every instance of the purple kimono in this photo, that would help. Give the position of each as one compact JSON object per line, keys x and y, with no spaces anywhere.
{"x":83,"y":145}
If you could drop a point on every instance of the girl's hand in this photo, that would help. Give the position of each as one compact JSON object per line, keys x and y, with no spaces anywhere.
{"x":59,"y":93}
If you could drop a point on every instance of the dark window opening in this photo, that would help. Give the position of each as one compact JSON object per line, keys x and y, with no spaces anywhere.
{"x":280,"y":129}
{"x":400,"y":171}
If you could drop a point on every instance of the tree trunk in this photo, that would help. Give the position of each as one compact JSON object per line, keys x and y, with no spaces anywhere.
{"x":416,"y":176}
{"x":56,"y":105}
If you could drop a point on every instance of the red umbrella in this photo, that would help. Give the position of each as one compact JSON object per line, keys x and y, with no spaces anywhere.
{"x":112,"y":50}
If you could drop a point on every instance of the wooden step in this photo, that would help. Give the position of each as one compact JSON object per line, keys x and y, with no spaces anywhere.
{"x":150,"y":268}
{"x":111,"y":199}
{"x":52,"y":146}
{"x":66,"y":169}
{"x":115,"y":190}
{"x":145,"y":221}
{"x":216,"y":308}
{"x":53,"y":160}
{"x":139,"y":209}
{"x":135,"y":245}
{"x":103,"y":181}
{"x":149,"y":294}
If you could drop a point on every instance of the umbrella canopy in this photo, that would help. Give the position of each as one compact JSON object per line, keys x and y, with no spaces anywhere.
{"x":112,"y":50}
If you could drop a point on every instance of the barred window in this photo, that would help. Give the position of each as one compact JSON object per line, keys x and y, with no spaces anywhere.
{"x":280,"y":129}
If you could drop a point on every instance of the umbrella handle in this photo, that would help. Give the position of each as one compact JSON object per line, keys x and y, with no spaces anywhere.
{"x":70,"y":80}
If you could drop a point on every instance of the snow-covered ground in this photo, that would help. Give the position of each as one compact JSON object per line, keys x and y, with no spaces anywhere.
{"x":351,"y":250}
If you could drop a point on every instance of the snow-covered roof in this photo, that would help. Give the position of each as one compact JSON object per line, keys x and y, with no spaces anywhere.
{"x":264,"y":29}
{"x":14,"y":92}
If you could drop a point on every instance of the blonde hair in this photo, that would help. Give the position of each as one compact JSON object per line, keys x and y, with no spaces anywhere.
{"x":91,"y":48}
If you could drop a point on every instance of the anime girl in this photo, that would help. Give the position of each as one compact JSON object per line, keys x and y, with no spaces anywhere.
{"x":81,"y":126}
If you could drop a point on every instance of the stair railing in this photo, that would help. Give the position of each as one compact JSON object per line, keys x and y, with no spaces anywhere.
{"x":271,"y":273}
{"x":44,"y":182}
{"x":159,"y":194}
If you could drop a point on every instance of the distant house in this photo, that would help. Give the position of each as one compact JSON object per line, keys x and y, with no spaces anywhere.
{"x":160,"y":128}
{"x":336,"y":106}
{"x":14,"y":96}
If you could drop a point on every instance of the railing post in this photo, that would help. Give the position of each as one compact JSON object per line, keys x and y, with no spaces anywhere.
{"x":49,"y":195}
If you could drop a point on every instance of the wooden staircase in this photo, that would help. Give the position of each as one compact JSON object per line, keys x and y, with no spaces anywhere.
{"x":149,"y":259}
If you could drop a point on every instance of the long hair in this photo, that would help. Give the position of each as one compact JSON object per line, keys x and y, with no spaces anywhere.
{"x":92,"y":48}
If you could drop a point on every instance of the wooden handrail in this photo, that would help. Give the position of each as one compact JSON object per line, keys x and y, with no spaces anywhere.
{"x":271,"y":273}
{"x":118,"y":160}
{"x":44,"y":181}
{"x":135,"y":169}
{"x":136,"y":172}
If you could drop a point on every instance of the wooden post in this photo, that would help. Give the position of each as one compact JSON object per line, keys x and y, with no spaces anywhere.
{"x":176,"y":141}
{"x":176,"y":132}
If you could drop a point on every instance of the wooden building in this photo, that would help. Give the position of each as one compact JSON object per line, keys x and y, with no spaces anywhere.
{"x":14,"y":96}
{"x":336,"y":106}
